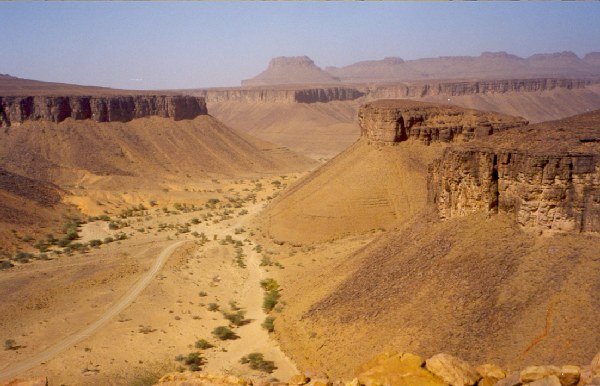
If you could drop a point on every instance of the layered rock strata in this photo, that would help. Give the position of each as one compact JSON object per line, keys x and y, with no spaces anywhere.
{"x":276,"y":95}
{"x":547,"y":175}
{"x":16,"y":110}
{"x":393,"y":121}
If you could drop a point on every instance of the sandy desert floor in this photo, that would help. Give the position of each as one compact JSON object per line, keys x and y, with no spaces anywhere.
{"x":214,"y":263}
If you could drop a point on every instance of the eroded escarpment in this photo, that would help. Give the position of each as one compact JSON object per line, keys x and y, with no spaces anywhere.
{"x":547,"y":175}
{"x":18,"y":109}
{"x":281,"y":95}
{"x":393,"y":121}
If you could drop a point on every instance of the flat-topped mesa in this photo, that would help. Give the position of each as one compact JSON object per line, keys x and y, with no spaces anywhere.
{"x":281,"y":95}
{"x":393,"y":121}
{"x":547,"y":175}
{"x":18,"y":109}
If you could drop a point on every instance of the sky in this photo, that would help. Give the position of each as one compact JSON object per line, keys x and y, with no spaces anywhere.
{"x":166,"y":45}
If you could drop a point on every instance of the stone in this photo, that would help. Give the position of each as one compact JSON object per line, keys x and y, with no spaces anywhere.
{"x":551,"y":380}
{"x":487,"y":381}
{"x":533,"y":373}
{"x":397,"y":370}
{"x":569,"y":375}
{"x":190,"y":378}
{"x":452,"y":370}
{"x":595,"y":365}
{"x":513,"y":379}
{"x":39,"y":381}
{"x":298,"y":379}
{"x":490,"y":371}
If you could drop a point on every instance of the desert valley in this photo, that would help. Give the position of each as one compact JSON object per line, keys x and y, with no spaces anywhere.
{"x":389,"y":222}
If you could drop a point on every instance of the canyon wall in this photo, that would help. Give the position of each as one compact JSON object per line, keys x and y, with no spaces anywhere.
{"x":393,"y":121}
{"x":547,"y":176}
{"x":415,"y":89}
{"x":16,"y":110}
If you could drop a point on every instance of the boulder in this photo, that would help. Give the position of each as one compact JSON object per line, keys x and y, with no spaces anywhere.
{"x":551,"y":380}
{"x":490,"y":371}
{"x":569,"y":375}
{"x":452,"y":370}
{"x":397,"y":370}
{"x":533,"y":373}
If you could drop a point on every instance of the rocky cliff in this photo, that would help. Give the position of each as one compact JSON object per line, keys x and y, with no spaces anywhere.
{"x":280,"y":95}
{"x":547,"y":175}
{"x":392,"y":121}
{"x":16,"y":110}
{"x":459,"y":88}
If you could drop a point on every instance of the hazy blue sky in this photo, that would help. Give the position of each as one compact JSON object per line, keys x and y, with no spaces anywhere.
{"x":200,"y":44}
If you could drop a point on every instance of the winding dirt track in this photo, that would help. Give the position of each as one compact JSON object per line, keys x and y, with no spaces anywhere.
{"x":118,"y":307}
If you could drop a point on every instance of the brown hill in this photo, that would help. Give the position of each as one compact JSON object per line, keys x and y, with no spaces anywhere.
{"x":28,"y":208}
{"x":379,"y":180}
{"x":291,"y":70}
{"x":152,"y":148}
{"x":482,"y":286}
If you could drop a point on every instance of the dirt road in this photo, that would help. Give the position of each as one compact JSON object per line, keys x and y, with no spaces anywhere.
{"x":118,"y":307}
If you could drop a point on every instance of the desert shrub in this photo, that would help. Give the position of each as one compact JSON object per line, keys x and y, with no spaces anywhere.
{"x":113,"y":225}
{"x":270,"y":300}
{"x":195,"y":220}
{"x":269,"y":284}
{"x":256,"y":361}
{"x":212,"y":307}
{"x":224,"y":333}
{"x":193,"y":360}
{"x":108,"y":240}
{"x":10,"y":344}
{"x":236,"y":318}
{"x":268,"y":324}
{"x":95,"y":243}
{"x":203,"y":344}
{"x":5,"y":264}
{"x":202,"y":294}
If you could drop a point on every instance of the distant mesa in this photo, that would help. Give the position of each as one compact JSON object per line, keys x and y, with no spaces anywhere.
{"x":488,"y":65}
{"x":291,"y":70}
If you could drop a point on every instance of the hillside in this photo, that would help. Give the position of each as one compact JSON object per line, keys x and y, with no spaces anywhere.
{"x":379,"y":180}
{"x":506,"y":272}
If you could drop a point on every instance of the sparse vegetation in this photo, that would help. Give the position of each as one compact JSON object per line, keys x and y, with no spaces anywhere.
{"x":256,"y":361}
{"x":237,"y":318}
{"x":224,"y":333}
{"x":193,"y":361}
{"x":203,"y":344}
{"x":10,"y":344}
{"x":268,"y":324}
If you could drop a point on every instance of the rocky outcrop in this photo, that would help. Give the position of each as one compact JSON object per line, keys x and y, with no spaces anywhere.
{"x":16,"y":110}
{"x":546,"y":175}
{"x":406,"y":369}
{"x":278,"y":95}
{"x":393,"y":121}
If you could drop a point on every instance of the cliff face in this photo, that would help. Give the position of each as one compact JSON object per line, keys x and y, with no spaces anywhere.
{"x":392,"y":121}
{"x":16,"y":110}
{"x":547,"y":175}
{"x":275,"y":95}
{"x":423,"y":89}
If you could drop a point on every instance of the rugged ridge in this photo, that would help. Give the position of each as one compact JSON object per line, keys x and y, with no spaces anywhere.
{"x":393,"y":121}
{"x":291,"y":70}
{"x":546,"y":175}
{"x":18,"y":109}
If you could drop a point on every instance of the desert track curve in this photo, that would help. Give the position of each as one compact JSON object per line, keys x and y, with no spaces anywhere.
{"x":122,"y":304}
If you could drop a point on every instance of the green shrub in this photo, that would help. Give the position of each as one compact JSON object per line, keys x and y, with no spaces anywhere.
{"x":95,"y":243}
{"x":203,"y":344}
{"x":193,"y":361}
{"x":269,"y":285}
{"x":5,"y":264}
{"x":268,"y":324}
{"x":224,"y":333}
{"x":236,"y":318}
{"x":270,"y":300}
{"x":256,"y":361}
